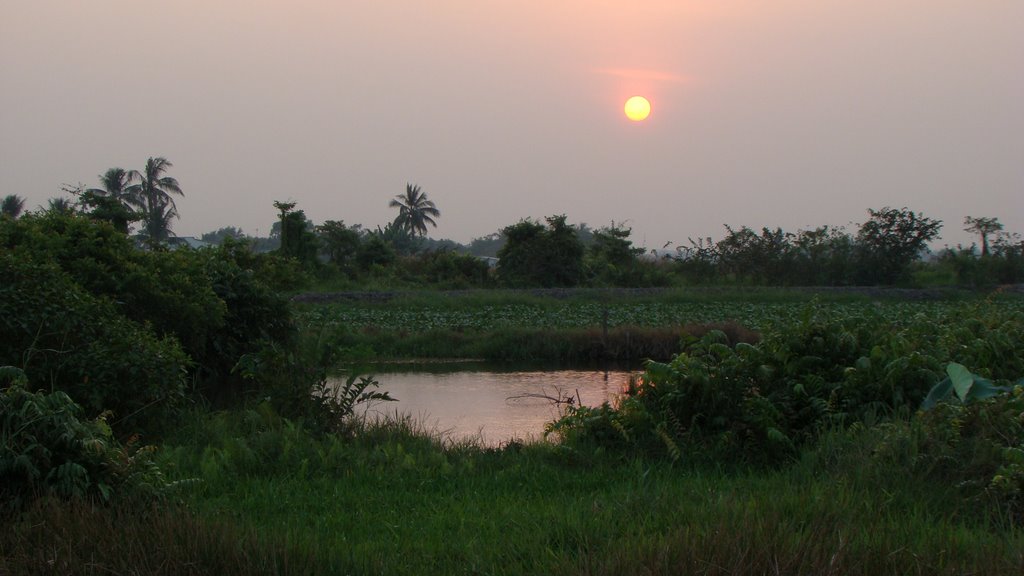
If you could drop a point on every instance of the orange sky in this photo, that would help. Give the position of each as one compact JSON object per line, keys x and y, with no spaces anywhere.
{"x":793,"y":113}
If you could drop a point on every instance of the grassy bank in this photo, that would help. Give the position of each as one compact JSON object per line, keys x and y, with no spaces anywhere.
{"x":390,"y":501}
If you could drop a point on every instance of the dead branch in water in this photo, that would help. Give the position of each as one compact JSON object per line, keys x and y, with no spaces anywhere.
{"x":557,"y":400}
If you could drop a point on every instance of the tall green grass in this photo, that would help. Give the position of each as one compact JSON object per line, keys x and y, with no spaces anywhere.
{"x":390,"y":499}
{"x":393,"y":500}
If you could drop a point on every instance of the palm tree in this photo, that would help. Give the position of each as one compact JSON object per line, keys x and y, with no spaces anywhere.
{"x":152,"y":195}
{"x":414,"y":210}
{"x":111,"y":203}
{"x":156,"y":224}
{"x":116,"y":183}
{"x":12,"y":205}
{"x":60,"y":206}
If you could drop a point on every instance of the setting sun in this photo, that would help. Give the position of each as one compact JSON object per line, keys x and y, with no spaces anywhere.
{"x":637,"y":108}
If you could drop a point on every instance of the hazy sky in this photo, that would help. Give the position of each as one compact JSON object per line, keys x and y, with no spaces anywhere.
{"x":791,"y":113}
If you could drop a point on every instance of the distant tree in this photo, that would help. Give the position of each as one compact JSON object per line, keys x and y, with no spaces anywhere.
{"x":738,"y":253}
{"x":115,"y":183}
{"x":890,"y":241}
{"x":297,"y":238}
{"x":585,"y":234}
{"x":218,"y":236}
{"x":698,"y":262}
{"x":763,"y":258}
{"x":60,"y":206}
{"x":151,"y":194}
{"x":415,"y":211}
{"x":1008,"y":250}
{"x":401,"y":239}
{"x":113,"y":201}
{"x":487,"y":245}
{"x":97,"y":205}
{"x":538,"y":255}
{"x":611,"y":258}
{"x":822,"y":257}
{"x":984,"y":227}
{"x":12,"y":206}
{"x":441,"y":245}
{"x":340,"y":242}
{"x":156,"y":220}
{"x":374,"y":251}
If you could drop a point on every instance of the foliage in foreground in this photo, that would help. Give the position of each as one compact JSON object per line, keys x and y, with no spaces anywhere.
{"x":79,"y":300}
{"x":276,"y":498}
{"x":390,"y":500}
{"x":46,"y":450}
{"x":56,"y":537}
{"x":65,"y":338}
{"x":761,"y":402}
{"x":293,"y":381}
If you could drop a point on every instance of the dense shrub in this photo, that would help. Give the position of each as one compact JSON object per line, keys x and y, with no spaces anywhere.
{"x":278,"y":273}
{"x":212,"y":301}
{"x":46,"y":449}
{"x":168,"y":290}
{"x":975,"y":446}
{"x":65,"y":338}
{"x":978,"y":446}
{"x":759,"y":403}
{"x":294,"y":382}
{"x":255,"y":316}
{"x":449,"y":270}
{"x":538,"y":255}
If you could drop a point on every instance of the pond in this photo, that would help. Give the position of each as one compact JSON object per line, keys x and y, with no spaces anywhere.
{"x":489,"y":403}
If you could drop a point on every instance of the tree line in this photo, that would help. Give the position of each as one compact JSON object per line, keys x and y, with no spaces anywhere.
{"x":886,"y":249}
{"x":889,"y":248}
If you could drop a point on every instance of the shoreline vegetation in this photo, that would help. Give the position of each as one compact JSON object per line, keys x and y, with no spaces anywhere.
{"x":690,"y":293}
{"x":166,"y":412}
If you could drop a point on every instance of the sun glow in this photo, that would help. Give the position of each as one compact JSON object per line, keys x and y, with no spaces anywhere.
{"x":637,"y":108}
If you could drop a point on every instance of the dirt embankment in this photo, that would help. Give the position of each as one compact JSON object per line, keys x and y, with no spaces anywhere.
{"x":562,"y":293}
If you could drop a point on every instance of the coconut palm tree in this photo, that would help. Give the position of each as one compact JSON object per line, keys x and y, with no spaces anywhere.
{"x":156,"y":224}
{"x":116,"y":183}
{"x":152,"y":195}
{"x":12,"y":205}
{"x":414,"y":210}
{"x":60,"y":206}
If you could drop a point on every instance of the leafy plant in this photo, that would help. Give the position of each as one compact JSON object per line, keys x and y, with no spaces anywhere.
{"x":46,"y":449}
{"x":213,"y":303}
{"x":963,"y":385}
{"x":64,"y":338}
{"x":761,"y":402}
{"x":295,"y":382}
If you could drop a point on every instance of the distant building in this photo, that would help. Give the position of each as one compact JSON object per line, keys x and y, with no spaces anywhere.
{"x":187,"y":242}
{"x":491,"y":261}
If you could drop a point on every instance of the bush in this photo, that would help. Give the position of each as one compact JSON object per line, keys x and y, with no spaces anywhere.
{"x":449,"y":270}
{"x":761,"y":403}
{"x":64,"y":338}
{"x":294,"y":381}
{"x":47,"y":450}
{"x":213,"y":302}
{"x":975,"y":447}
{"x":537,"y":255}
{"x":254,"y":316}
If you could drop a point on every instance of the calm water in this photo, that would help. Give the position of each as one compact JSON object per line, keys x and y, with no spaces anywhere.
{"x":489,"y":403}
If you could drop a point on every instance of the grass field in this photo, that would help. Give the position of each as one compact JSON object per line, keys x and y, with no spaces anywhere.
{"x":392,"y":501}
